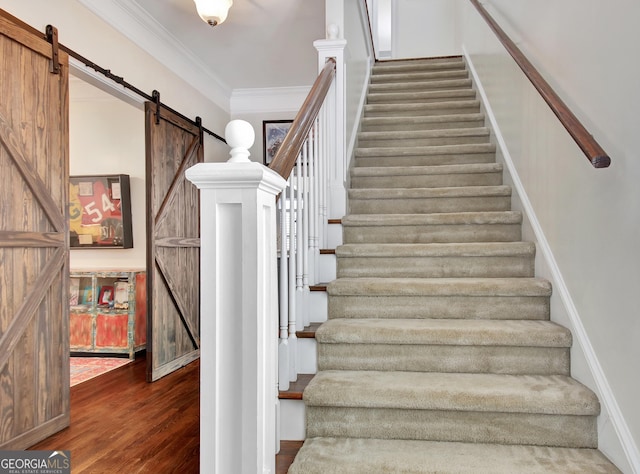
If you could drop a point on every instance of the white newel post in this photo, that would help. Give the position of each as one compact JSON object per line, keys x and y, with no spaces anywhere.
{"x":239,"y":322}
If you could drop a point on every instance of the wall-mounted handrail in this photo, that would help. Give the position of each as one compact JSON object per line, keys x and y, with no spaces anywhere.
{"x":590,"y":147}
{"x":285,"y":159}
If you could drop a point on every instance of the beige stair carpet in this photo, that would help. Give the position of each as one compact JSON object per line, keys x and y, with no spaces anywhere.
{"x":439,"y":354}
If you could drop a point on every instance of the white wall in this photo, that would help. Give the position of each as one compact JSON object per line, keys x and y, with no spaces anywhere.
{"x":106,"y":136}
{"x":358,"y":58}
{"x":590,"y":219}
{"x":423,"y":28}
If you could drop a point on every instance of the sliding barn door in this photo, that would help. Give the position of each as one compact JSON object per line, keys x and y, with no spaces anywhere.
{"x":34,"y":251}
{"x":173,"y":248}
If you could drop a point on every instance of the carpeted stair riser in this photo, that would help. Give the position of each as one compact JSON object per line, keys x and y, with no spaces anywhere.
{"x":431,"y":122}
{"x":471,"y":307}
{"x":425,"y":156}
{"x":357,"y":456}
{"x":419,"y":86}
{"x":418,"y":65}
{"x":441,"y":345}
{"x":438,"y":298}
{"x":476,"y":427}
{"x":433,"y":228}
{"x":403,"y":78}
{"x":486,"y":260}
{"x":459,"y":136}
{"x":415,"y":177}
{"x":441,"y":358}
{"x":429,"y":201}
{"x":393,"y":153}
{"x":422,"y":109}
{"x":484,"y":408}
{"x":437,"y":95}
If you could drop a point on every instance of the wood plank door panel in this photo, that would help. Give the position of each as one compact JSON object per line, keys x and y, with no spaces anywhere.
{"x":34,"y":250}
{"x":173,"y":248}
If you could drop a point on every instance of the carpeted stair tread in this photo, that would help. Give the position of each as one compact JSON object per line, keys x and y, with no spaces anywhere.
{"x":425,"y":122}
{"x":444,"y":332}
{"x":422,"y":108}
{"x":417,"y":65}
{"x":425,"y":150}
{"x":382,"y":137}
{"x":358,"y":456}
{"x":434,"y":95}
{"x":445,"y":260}
{"x":471,"y":174}
{"x":549,"y":395}
{"x":456,"y":218}
{"x":536,"y":287}
{"x":402,"y":78}
{"x":466,"y":249}
{"x":420,"y":86}
{"x":417,"y":193}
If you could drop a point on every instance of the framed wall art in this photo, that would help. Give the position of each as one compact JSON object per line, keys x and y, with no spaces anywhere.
{"x":273,"y":133}
{"x":100,"y":212}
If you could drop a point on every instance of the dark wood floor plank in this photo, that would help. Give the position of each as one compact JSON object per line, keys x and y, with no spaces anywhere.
{"x":296,"y":388}
{"x":122,"y":424}
{"x":288,"y":451}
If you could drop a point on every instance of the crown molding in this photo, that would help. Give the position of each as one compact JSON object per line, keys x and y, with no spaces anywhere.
{"x":127,"y":17}
{"x":274,"y":99}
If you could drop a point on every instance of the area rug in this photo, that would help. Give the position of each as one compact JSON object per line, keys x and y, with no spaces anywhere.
{"x":85,"y":368}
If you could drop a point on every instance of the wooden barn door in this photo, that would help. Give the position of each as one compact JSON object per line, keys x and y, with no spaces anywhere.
{"x":34,"y":250}
{"x":173,"y":248}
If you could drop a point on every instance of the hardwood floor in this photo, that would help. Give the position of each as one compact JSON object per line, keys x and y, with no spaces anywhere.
{"x":122,"y":424}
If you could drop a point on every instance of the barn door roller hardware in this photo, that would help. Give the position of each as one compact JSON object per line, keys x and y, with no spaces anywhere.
{"x":52,"y":37}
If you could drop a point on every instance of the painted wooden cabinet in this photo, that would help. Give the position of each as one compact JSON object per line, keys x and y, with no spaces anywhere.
{"x":108,"y":311}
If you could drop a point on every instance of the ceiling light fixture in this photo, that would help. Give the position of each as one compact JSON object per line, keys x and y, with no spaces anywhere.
{"x":213,"y":12}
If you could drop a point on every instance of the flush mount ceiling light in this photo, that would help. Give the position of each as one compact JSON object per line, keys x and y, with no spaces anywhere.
{"x":213,"y":12}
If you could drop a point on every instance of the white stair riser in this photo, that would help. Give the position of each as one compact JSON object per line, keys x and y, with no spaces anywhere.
{"x":327,"y":268}
{"x":292,"y":420}
{"x":307,"y":356}
{"x":334,"y":236}
{"x":318,"y":304}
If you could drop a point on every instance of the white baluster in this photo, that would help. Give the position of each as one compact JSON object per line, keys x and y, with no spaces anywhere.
{"x":300,"y":244}
{"x":305,"y":231}
{"x":283,"y":346}
{"x":293,"y":308}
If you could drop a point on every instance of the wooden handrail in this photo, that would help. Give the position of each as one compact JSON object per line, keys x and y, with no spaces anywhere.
{"x":590,"y":147}
{"x":285,"y":159}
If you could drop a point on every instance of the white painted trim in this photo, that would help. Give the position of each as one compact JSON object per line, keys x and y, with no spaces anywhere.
{"x":356,"y":124}
{"x":580,"y":334}
{"x":127,"y":17}
{"x":274,"y":99}
{"x":82,"y":72}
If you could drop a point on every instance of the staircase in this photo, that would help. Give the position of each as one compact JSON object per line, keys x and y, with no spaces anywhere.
{"x":439,"y":355}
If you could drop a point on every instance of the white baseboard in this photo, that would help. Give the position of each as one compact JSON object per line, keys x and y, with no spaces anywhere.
{"x":610,"y":408}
